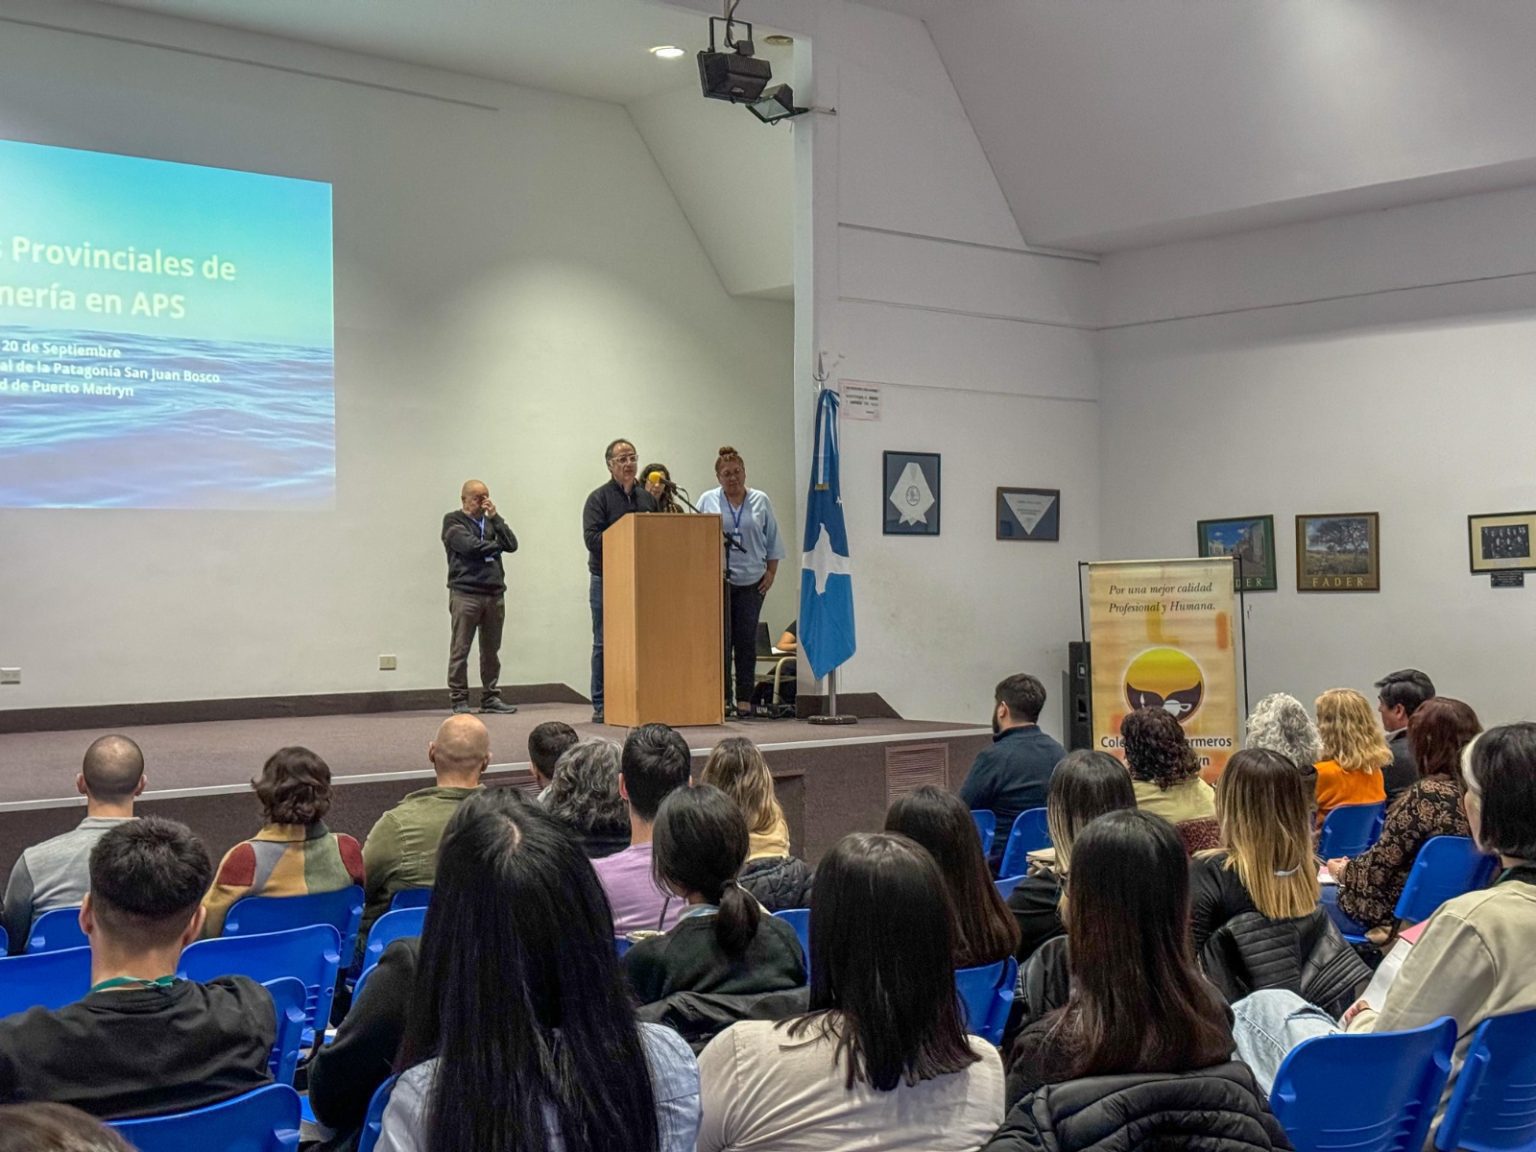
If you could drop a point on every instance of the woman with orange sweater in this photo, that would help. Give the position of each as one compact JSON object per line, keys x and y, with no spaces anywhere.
{"x":1354,"y":752}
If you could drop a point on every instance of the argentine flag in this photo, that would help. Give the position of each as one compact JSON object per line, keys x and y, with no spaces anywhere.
{"x":826,"y":587}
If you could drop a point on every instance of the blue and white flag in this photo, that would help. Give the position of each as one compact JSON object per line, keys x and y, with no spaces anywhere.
{"x":826,"y":585}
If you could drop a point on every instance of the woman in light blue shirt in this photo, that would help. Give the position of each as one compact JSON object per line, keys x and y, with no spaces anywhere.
{"x":753,"y":551}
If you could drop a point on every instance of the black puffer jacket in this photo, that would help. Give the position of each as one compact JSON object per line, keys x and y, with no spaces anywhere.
{"x":699,"y":1016}
{"x":778,"y":882}
{"x":1306,"y":955}
{"x":1216,"y":1109}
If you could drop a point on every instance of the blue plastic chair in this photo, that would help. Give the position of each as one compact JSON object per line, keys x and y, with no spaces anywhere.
{"x":259,"y":915}
{"x":1446,"y":867}
{"x":1350,"y":829}
{"x":986,"y":995}
{"x":1030,"y":833}
{"x":44,"y":979}
{"x":1318,"y":1099}
{"x":266,"y":1120}
{"x":410,"y":898}
{"x":1006,"y":886}
{"x":289,"y":998}
{"x":1493,"y":1106}
{"x":986,"y":828}
{"x":400,"y":924}
{"x":800,"y":920}
{"x":621,"y":945}
{"x":373,"y":1120}
{"x":357,"y":989}
{"x":5,"y":941}
{"x":312,"y":955}
{"x":57,"y":929}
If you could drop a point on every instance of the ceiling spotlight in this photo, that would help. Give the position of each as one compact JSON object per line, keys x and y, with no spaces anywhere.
{"x":667,"y":51}
{"x":775,"y":104}
{"x":735,"y":75}
{"x":779,"y":40}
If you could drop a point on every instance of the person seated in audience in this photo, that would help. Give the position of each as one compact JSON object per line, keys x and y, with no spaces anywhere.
{"x":1086,"y":784}
{"x":1354,"y":752}
{"x":401,"y":849}
{"x":1012,"y":775}
{"x":521,"y":1034}
{"x":294,"y":854}
{"x":1473,"y":959}
{"x":985,"y":931}
{"x":1165,"y":772}
{"x":777,"y":879}
{"x":55,"y":1128}
{"x":546,"y":744}
{"x":654,"y":763}
{"x":1279,"y":723}
{"x":1138,"y":1002}
{"x":142,"y":1042}
{"x":724,"y":942}
{"x":1398,"y":697}
{"x":56,"y":873}
{"x":584,"y":796}
{"x":881,"y":1062}
{"x":1370,"y":884}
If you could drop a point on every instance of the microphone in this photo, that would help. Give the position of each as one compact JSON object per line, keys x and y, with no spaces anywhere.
{"x":659,"y":478}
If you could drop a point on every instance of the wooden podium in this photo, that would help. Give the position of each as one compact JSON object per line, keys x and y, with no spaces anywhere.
{"x":663,"y":635}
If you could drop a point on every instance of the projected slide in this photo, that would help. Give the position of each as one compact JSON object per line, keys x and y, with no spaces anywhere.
{"x":166,"y":335}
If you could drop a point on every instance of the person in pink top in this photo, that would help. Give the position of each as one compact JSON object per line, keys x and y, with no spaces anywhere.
{"x":655,"y":762}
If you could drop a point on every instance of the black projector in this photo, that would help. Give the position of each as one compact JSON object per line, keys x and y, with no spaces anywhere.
{"x":735,"y":76}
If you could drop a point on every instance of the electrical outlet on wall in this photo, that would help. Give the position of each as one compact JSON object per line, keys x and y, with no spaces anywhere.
{"x":388,"y":664}
{"x":10,"y":675}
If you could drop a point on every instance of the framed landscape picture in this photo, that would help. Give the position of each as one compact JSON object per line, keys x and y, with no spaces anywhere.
{"x":1250,"y":539}
{"x":1028,"y":513}
{"x":911,"y":494}
{"x":1338,"y":552}
{"x":1502,"y":542}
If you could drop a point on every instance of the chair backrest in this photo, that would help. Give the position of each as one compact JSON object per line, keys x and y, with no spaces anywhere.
{"x":800,"y":920}
{"x":763,"y":639}
{"x":1006,"y":885}
{"x":311,"y":954}
{"x":410,"y":898}
{"x":44,"y":979}
{"x":1493,"y":1106}
{"x":1446,"y":867}
{"x":57,"y":929}
{"x":986,"y":995}
{"x":357,"y":989}
{"x":1318,"y":1093}
{"x":986,"y":828}
{"x":1029,"y":833}
{"x":1350,"y":829}
{"x":392,"y":926}
{"x":259,"y":915}
{"x":373,"y":1121}
{"x":621,"y":945}
{"x":290,"y":999}
{"x":266,"y":1120}
{"x":5,"y":941}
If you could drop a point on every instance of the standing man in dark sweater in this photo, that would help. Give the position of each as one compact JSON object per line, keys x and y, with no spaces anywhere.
{"x":1398,"y":696}
{"x":606,"y":507}
{"x":474,"y":538}
{"x":1013,"y":775}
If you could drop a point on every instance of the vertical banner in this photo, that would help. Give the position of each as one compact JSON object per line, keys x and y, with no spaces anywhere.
{"x":1162,"y":635}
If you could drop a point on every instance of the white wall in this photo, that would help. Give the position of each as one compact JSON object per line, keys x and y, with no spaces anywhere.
{"x":516,"y":285}
{"x":1381,"y":362}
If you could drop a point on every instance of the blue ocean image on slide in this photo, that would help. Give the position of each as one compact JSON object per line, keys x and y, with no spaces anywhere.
{"x":123,"y":420}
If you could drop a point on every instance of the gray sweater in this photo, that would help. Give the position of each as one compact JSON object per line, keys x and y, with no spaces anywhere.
{"x":53,"y":874}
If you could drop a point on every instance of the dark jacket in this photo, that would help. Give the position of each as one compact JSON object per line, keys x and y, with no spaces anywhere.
{"x":1306,"y":955}
{"x":699,"y":1016}
{"x":778,"y":882}
{"x":474,"y":561}
{"x":606,"y":506}
{"x":689,"y":959}
{"x":1036,"y":905}
{"x":1217,"y":1109}
{"x":1399,"y":775}
{"x":1011,"y":777}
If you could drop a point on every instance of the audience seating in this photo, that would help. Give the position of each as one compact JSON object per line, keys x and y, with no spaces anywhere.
{"x":1006,"y":885}
{"x":5,"y":941}
{"x":312,"y":955}
{"x":1320,"y":1098}
{"x":621,"y":945}
{"x":1446,"y":867}
{"x":986,"y":995}
{"x":1028,"y":834}
{"x":373,"y":1121}
{"x":260,"y":915}
{"x":397,"y":925}
{"x":410,"y":898}
{"x":55,"y":930}
{"x":289,"y":998}
{"x":800,"y":920}
{"x":1493,"y":1106}
{"x":266,"y":1120}
{"x":986,"y":828}
{"x":357,"y":989}
{"x":44,"y":979}
{"x":1350,"y":829}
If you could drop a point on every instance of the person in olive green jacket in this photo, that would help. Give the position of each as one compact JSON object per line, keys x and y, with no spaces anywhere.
{"x":401,"y":849}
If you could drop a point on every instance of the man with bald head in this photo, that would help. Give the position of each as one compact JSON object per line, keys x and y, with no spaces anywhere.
{"x":56,"y":873}
{"x":401,"y":850}
{"x":474,"y":538}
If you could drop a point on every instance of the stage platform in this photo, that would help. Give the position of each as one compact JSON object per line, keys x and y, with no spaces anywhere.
{"x":830,"y":780}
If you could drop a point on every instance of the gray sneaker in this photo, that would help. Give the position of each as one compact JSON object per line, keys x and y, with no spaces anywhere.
{"x":460,"y":707}
{"x":497,"y":705}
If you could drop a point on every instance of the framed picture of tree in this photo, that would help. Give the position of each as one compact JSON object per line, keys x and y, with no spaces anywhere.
{"x":1338,"y":552}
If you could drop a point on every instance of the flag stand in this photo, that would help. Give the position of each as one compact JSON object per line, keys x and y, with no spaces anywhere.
{"x":832,"y":716}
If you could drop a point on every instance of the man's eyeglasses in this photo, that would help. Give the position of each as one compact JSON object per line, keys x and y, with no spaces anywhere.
{"x":626,"y":459}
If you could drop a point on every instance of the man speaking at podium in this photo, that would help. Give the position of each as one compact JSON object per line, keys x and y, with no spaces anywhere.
{"x":607,"y":505}
{"x":474,"y":538}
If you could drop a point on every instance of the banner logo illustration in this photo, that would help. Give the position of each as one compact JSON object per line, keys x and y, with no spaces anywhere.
{"x":1166,"y":678}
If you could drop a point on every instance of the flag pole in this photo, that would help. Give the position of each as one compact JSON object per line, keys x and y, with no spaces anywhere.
{"x":832,"y":715}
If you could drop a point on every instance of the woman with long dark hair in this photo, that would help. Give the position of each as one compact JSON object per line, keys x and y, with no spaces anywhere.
{"x":882,"y":1061}
{"x":724,"y":942}
{"x":521,"y":1035}
{"x":985,"y":931}
{"x":1138,"y":1002}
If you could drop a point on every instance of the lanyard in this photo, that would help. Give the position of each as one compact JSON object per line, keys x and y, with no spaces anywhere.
{"x":480,"y":524}
{"x":133,"y":982}
{"x":735,"y":528}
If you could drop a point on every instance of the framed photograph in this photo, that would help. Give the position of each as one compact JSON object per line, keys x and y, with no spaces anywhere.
{"x":911,"y":494}
{"x":1249,"y":538}
{"x":1338,"y":552}
{"x":1502,"y":542}
{"x":1029,"y":513}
